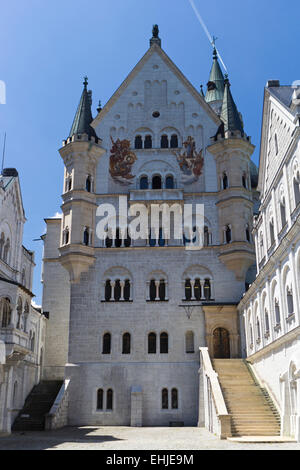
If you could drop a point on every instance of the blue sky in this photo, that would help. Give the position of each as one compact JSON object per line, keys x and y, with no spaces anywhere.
{"x":48,"y":46}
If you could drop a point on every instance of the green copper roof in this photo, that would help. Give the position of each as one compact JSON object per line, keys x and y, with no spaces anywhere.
{"x":83,"y":116}
{"x":230,"y":115}
{"x":215,"y":86}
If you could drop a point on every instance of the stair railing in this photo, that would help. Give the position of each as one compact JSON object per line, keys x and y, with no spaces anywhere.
{"x":216,"y":417}
{"x":58,"y":414}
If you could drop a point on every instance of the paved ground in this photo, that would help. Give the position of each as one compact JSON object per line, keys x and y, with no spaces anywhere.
{"x":126,"y":438}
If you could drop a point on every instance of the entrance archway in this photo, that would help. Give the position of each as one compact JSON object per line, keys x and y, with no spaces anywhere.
{"x":221,"y":344}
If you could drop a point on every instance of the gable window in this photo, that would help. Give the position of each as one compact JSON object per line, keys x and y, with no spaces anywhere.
{"x":189,"y":342}
{"x":164,"y":343}
{"x":156,"y":182}
{"x":152,"y":343}
{"x":174,"y":141}
{"x":109,"y":399}
{"x":138,"y":142}
{"x":106,"y":347}
{"x":144,"y":182}
{"x":148,"y":142}
{"x":164,"y":399}
{"x":100,"y":399}
{"x":169,"y":182}
{"x":174,"y":398}
{"x":126,"y":343}
{"x":164,"y":142}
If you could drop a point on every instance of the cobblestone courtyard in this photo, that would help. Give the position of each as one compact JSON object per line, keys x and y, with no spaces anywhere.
{"x":126,"y":438}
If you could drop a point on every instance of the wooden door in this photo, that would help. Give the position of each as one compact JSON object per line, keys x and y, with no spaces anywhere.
{"x":221,"y":344}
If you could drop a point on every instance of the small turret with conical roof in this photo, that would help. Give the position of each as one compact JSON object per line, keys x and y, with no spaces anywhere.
{"x":229,"y":113}
{"x":215,"y":86}
{"x":80,"y":153}
{"x":83,"y":116}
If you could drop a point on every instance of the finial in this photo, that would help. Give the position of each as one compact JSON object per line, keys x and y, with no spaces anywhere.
{"x":99,"y":107}
{"x":155,"y":31}
{"x":85,"y":81}
{"x":226,"y":79}
{"x":201,"y":88}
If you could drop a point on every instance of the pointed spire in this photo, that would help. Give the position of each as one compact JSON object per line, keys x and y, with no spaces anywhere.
{"x":155,"y":38}
{"x":83,"y":116}
{"x":229,"y":114}
{"x":215,"y":85}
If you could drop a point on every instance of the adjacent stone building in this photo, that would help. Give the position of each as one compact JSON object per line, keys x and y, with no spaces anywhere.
{"x":127,"y":317}
{"x":270,"y":310}
{"x":22,"y":327}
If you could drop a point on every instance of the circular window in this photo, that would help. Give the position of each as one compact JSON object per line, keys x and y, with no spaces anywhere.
{"x":156,"y":114}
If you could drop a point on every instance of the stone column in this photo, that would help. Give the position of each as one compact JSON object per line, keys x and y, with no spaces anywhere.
{"x":193,"y":290}
{"x":122,"y":285}
{"x":202,"y":289}
{"x":212,"y":289}
{"x":157,"y":283}
{"x":166,"y":290}
{"x":112,"y":284}
{"x":148,"y":290}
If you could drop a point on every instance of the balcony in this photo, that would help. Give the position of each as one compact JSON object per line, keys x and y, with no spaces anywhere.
{"x":16,"y":343}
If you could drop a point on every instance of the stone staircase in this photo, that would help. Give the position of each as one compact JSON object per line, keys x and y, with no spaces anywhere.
{"x":37,"y":405}
{"x":252,"y":411}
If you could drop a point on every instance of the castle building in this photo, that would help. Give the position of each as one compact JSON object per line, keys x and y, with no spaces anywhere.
{"x":270,"y":309}
{"x":127,"y":316}
{"x":22,"y":327}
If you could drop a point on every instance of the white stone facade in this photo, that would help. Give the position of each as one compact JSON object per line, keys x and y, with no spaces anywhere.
{"x":87,"y":323}
{"x":22,"y":328}
{"x":270,"y":311}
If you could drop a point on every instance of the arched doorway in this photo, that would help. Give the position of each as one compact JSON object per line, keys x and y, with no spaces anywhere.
{"x":221,"y":344}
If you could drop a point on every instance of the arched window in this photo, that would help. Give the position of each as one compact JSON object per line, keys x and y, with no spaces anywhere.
{"x":32,"y":341}
{"x":258,"y":329}
{"x":174,"y":398}
{"x":164,"y":399}
{"x":272,"y":236}
{"x":138,"y":142}
{"x":161,"y":240}
{"x":86,"y":236}
{"x":109,"y":399}
{"x":188,"y":289}
{"x":19,"y":312}
{"x":148,"y":142}
{"x":164,"y":142}
{"x":15,"y":394}
{"x":277,"y":313}
{"x":100,"y":399}
{"x":296,"y":190}
{"x":26,"y":313}
{"x":197,"y":289}
{"x":6,"y":251}
{"x":88,"y":184}
{"x":106,"y":346}
{"x":156,"y":182}
{"x":174,"y":141}
{"x":5,"y":312}
{"x":2,"y":241}
{"x":225,"y":181}
{"x":206,"y":236}
{"x":152,"y":343}
{"x":267,"y":322}
{"x":164,"y":343}
{"x":228,"y":234}
{"x":290,"y":301}
{"x":117,"y":290}
{"x":162,"y":290}
{"x":283,"y":213}
{"x":107,"y":290}
{"x":152,"y":293}
{"x":126,"y":343}
{"x":247,"y":233}
{"x":127,"y":290}
{"x":66,"y":236}
{"x":189,"y":342}
{"x":207,"y":289}
{"x":244,"y":180}
{"x":144,"y":182}
{"x":169,"y":182}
